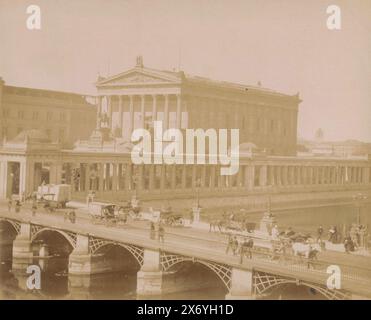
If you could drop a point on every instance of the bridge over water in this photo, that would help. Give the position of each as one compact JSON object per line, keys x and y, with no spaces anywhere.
{"x":86,"y":252}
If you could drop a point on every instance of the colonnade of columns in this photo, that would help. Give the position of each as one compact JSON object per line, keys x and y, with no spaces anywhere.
{"x":132,"y":103}
{"x":289,"y":175}
{"x":124,"y":176}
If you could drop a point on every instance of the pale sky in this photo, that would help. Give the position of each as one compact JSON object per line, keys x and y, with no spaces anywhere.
{"x":285,"y":44}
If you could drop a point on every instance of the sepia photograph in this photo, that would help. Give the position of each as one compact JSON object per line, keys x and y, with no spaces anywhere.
{"x":185,"y":150}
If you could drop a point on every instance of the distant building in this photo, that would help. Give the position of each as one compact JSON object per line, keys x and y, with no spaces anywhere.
{"x":64,"y":117}
{"x":348,"y":148}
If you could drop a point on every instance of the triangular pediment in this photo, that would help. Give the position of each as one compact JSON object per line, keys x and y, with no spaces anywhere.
{"x":139,"y":76}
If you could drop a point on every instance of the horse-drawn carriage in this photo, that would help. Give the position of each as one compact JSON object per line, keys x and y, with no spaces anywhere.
{"x":168,"y":217}
{"x":228,"y":225}
{"x":107,"y":213}
{"x":130,"y":208}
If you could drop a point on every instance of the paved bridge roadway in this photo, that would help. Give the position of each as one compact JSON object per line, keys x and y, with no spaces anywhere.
{"x":252,"y":277}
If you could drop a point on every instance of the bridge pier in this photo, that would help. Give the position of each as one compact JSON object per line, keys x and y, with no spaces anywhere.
{"x":22,"y":248}
{"x":149,"y":278}
{"x":241,"y":287}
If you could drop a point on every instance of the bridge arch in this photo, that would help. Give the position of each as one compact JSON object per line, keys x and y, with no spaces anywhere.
{"x":71,"y":238}
{"x":264,"y":282}
{"x":16,"y":226}
{"x":100,"y":245}
{"x":223,"y":272}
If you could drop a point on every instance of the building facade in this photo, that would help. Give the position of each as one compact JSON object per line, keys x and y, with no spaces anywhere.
{"x":65,"y":117}
{"x":134,"y":99}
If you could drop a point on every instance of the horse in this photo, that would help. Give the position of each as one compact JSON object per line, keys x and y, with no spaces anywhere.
{"x":305,"y":249}
{"x":216,"y":224}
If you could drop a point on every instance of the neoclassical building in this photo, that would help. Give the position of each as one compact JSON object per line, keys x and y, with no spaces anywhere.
{"x":134,"y":99}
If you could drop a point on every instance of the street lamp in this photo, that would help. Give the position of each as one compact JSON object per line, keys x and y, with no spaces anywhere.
{"x":357,"y":199}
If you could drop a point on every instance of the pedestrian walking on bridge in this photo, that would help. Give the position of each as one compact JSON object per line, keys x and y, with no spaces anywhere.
{"x":246,"y":249}
{"x":152,"y":232}
{"x":18,"y":206}
{"x":10,"y":204}
{"x":34,"y":208}
{"x":161,"y":233}
{"x":229,"y":243}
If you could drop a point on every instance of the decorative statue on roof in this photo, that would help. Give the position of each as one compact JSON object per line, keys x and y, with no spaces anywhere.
{"x":140,"y":61}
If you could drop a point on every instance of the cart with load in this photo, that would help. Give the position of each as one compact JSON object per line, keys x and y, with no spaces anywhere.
{"x":53,"y":196}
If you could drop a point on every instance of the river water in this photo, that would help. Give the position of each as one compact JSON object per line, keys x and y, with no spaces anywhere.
{"x":122,"y":286}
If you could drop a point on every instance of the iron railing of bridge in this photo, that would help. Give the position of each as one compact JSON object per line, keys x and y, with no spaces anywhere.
{"x":265,"y":259}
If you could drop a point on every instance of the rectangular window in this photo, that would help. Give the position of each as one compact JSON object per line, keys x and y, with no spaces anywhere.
{"x":49,"y":116}
{"x":6,"y":113}
{"x":35,"y":115}
{"x":62,"y":133}
{"x":20,"y":114}
{"x":62,"y":116}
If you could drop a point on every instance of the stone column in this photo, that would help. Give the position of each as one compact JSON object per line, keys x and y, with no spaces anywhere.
{"x":109,"y":106}
{"x":292,"y":175}
{"x":316,"y":175}
{"x":87,"y":176}
{"x":131,"y":115}
{"x":299,"y":175}
{"x":154,"y":107}
{"x":305,"y":175}
{"x":184,"y":176}
{"x":203,"y":176}
{"x":194,"y":178}
{"x":101,"y":176}
{"x":121,"y":110}
{"x":30,"y":177}
{"x":284,"y":175}
{"x":166,"y":113}
{"x":151,"y":177}
{"x":178,"y":111}
{"x":263,"y":176}
{"x":108,"y":176}
{"x":212,"y":176}
{"x":271,"y":176}
{"x":250,"y":173}
{"x":239,"y":177}
{"x":99,"y":111}
{"x":162,"y":178}
{"x":141,"y":177}
{"x":173,"y":177}
{"x":360,"y":175}
{"x":149,"y":278}
{"x":3,"y":179}
{"x":22,"y":179}
{"x":278,"y":175}
{"x":241,"y":287}
{"x":114,"y":177}
{"x":142,"y":111}
{"x":366,"y":175}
